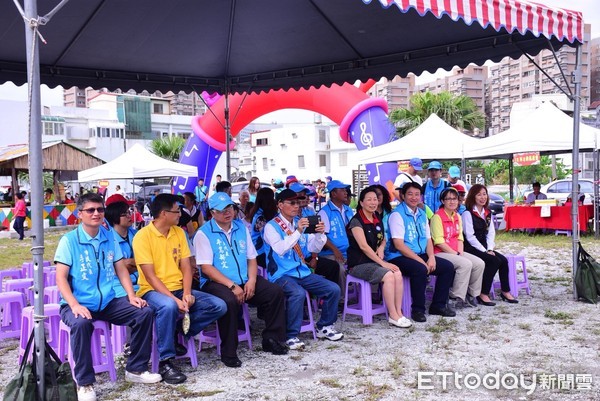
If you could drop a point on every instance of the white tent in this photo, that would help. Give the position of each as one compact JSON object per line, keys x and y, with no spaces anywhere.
{"x":434,"y":139}
{"x":137,"y":162}
{"x":545,"y":130}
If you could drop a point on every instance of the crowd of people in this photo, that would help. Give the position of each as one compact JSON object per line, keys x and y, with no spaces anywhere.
{"x":203,"y":256}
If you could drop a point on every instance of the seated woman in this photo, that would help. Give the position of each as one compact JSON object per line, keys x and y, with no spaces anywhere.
{"x":264,"y":209}
{"x":447,"y":235}
{"x":365,"y":256}
{"x":479,"y":241}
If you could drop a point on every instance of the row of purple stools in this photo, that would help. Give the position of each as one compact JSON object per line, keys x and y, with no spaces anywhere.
{"x":16,"y":292}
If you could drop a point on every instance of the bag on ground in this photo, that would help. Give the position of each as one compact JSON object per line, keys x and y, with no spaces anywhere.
{"x":587,"y":277}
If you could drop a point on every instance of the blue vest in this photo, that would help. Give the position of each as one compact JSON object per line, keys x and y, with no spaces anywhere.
{"x":432,"y":194}
{"x":256,"y":232}
{"x":92,"y":274}
{"x":337,"y":227}
{"x":288,"y":264}
{"x":127,"y":250}
{"x":228,"y":258}
{"x":415,"y":231}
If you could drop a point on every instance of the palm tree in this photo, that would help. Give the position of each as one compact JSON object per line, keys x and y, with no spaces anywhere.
{"x":168,"y":148}
{"x":458,"y":111}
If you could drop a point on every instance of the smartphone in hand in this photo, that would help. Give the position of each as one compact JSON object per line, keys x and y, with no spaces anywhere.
{"x":312,"y":224}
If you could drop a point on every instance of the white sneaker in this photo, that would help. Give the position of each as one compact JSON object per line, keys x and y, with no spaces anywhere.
{"x":403,"y":322}
{"x":86,"y":393}
{"x":144,"y":377}
{"x":294,"y":343}
{"x":329,"y":333}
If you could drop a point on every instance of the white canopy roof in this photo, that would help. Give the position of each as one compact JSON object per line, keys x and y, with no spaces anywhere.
{"x":434,"y":139}
{"x":547,"y":130}
{"x":137,"y":162}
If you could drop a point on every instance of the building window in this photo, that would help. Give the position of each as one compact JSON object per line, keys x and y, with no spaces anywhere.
{"x":322,"y":136}
{"x":301,"y":161}
{"x":343,"y":159}
{"x":265,"y":164}
{"x":262,"y":142}
{"x":322,"y":160}
{"x":158,"y":108}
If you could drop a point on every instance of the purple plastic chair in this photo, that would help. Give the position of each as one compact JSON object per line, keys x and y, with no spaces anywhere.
{"x":365,"y":307}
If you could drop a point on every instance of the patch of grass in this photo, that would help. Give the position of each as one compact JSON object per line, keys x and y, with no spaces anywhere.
{"x":5,"y":350}
{"x":332,"y":346}
{"x":549,"y":242}
{"x":442,"y":325}
{"x":395,"y":367}
{"x":503,"y":310}
{"x":359,"y":371}
{"x":330,"y":382}
{"x":524,"y":326}
{"x":372,"y":391}
{"x":15,"y":252}
{"x":561,"y":317}
{"x":185,"y":392}
{"x":296,"y":357}
{"x":117,"y":393}
{"x":557,"y":279}
{"x":473,"y":317}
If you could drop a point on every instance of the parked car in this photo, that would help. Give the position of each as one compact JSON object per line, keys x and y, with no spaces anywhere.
{"x":238,"y":187}
{"x":144,"y":194}
{"x":496,"y":203}
{"x":561,"y":190}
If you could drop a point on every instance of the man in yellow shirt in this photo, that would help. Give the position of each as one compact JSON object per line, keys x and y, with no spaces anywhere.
{"x":163,"y":260}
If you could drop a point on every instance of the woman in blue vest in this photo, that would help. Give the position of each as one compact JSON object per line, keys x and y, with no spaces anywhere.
{"x":411,"y":249}
{"x":365,"y":255}
{"x":480,"y":238}
{"x":264,"y":209}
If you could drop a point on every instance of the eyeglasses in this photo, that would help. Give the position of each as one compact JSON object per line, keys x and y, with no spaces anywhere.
{"x":292,"y":202}
{"x":451,"y":199}
{"x":126,"y":214}
{"x":226,"y":210}
{"x":178,"y":211}
{"x":92,"y":210}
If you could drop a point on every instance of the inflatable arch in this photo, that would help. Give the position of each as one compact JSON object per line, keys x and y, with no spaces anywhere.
{"x":362,"y":120}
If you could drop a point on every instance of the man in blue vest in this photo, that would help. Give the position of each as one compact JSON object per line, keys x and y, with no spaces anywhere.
{"x":335,"y":215}
{"x":87,"y":260}
{"x":201,"y":190}
{"x":411,"y":249}
{"x":434,"y":186}
{"x":227,"y":258}
{"x":286,"y":246}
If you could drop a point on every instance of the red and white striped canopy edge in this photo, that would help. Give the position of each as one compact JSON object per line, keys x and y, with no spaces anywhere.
{"x":509,"y":14}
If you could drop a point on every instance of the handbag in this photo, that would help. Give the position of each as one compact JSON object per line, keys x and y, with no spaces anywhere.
{"x":23,"y":387}
{"x":587,"y":277}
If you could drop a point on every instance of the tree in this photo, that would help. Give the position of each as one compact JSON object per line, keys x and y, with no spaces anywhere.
{"x":458,"y":111}
{"x":168,"y":148}
{"x":496,"y":172}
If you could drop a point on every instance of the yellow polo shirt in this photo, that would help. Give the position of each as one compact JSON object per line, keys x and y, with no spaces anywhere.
{"x":165,"y":253}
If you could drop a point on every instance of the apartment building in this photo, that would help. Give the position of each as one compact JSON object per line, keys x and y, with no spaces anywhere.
{"x":396,"y":92}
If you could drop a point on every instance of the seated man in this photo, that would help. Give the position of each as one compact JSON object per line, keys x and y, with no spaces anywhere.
{"x":411,"y":249}
{"x":87,"y":259}
{"x":286,"y":244}
{"x":535,"y":195}
{"x":164,"y":263}
{"x":227,"y":258}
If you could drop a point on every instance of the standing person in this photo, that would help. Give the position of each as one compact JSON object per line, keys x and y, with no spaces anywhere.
{"x":19,"y":215}
{"x":214,"y":186}
{"x":163,"y":261}
{"x":410,"y":175}
{"x":286,"y":245}
{"x":365,"y":256}
{"x":411,"y":249}
{"x":200,"y":191}
{"x":253,"y":187}
{"x":480,"y":238}
{"x":223,"y":186}
{"x":119,"y":191}
{"x":221,"y":245}
{"x":264,"y":209}
{"x":448,"y":240}
{"x":434,"y":186}
{"x":87,"y":260}
{"x":321,"y":194}
{"x":335,"y":215}
{"x":454,"y":176}
{"x":536,"y":194}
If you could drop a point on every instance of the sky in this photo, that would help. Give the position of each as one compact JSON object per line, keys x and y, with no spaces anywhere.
{"x":53,"y":97}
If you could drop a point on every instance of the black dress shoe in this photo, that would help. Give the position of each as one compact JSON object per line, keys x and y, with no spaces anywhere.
{"x":510,"y":301}
{"x":418,"y":317}
{"x":446,"y":312}
{"x":231,"y":361}
{"x":180,"y":350}
{"x":275,"y":347}
{"x":170,"y":373}
{"x":485,"y":303}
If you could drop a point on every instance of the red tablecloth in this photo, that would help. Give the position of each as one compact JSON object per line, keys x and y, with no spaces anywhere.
{"x":560,"y":217}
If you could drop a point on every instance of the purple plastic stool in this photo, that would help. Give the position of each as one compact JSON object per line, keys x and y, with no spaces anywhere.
{"x":365,"y":306}
{"x":51,"y":295}
{"x":12,"y":303}
{"x":406,"y":298}
{"x":51,"y":324}
{"x":118,"y":336}
{"x":191,"y":350}
{"x":513,"y":278}
{"x":23,"y":285}
{"x":309,"y":325}
{"x":14,"y":273}
{"x":27,"y":268}
{"x":103,"y":361}
{"x":263,"y":272}
{"x":49,"y":276}
{"x":211,"y":336}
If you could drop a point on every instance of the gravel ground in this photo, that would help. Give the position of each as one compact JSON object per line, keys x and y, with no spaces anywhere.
{"x":546,"y":335}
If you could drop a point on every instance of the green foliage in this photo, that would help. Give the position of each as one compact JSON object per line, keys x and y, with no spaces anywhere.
{"x":47,"y":178}
{"x":168,"y":148}
{"x":496,"y":172}
{"x":460,"y":112}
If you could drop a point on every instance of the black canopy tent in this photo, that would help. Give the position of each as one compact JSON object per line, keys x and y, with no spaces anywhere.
{"x":242,"y":46}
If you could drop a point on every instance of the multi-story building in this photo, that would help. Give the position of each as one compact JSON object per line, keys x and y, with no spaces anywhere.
{"x":595,"y":70}
{"x":519,"y":80}
{"x":396,"y":92}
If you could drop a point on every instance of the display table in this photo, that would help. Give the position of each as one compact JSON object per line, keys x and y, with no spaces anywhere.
{"x":523,"y":217}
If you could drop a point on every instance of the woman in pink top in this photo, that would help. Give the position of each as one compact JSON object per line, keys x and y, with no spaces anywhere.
{"x":447,"y":235}
{"x":19,"y":214}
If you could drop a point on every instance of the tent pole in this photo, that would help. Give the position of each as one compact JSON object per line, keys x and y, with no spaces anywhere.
{"x":575,"y":184}
{"x":510,"y":179}
{"x":595,"y":203}
{"x":35,"y":179}
{"x":227,"y":133}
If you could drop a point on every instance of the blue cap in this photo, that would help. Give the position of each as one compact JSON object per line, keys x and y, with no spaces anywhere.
{"x":297,"y":187}
{"x":416,"y":163}
{"x":277,"y":181}
{"x":336,"y":184}
{"x":454,"y":172}
{"x":219,"y":201}
{"x":434,"y":165}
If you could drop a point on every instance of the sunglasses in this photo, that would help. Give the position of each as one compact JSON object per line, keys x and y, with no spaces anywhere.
{"x":92,"y":210}
{"x":292,"y":202}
